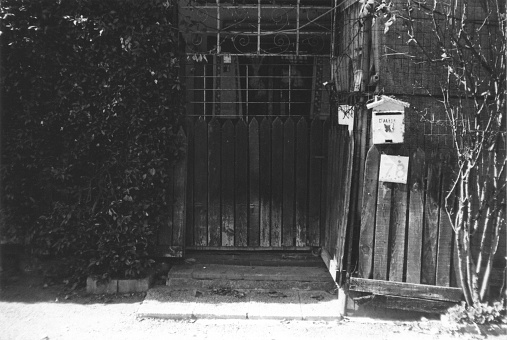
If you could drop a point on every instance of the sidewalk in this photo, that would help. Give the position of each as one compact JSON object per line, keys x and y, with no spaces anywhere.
{"x":169,"y":303}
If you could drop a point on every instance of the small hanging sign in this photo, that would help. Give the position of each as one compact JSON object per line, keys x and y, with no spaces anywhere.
{"x":393,"y":169}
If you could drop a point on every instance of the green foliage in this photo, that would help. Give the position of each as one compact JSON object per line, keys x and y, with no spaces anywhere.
{"x":91,"y":110}
{"x":482,"y":313}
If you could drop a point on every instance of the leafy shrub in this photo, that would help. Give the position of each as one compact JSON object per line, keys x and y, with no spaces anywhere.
{"x":92,"y":107}
{"x":483,"y":313}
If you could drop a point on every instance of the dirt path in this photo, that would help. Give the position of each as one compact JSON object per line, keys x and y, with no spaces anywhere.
{"x":31,"y":309}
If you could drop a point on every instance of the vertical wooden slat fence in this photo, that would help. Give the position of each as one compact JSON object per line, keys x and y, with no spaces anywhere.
{"x":337,"y":184}
{"x":405,"y":235}
{"x":406,"y":241}
{"x":258,"y":184}
{"x":171,"y":235}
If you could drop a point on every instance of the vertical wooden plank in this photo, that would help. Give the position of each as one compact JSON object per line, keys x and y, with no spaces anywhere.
{"x":288,"y":225}
{"x":368,"y":211}
{"x":276,"y":182}
{"x":301,"y":182}
{"x":241,"y":185}
{"x":430,"y":229}
{"x":348,"y":162}
{"x":254,"y":212}
{"x":315,"y":183}
{"x":323,"y":192}
{"x":398,"y":228}
{"x":445,"y":235}
{"x":265,"y":181}
{"x":227,"y":193}
{"x":165,"y":236}
{"x":417,"y":167}
{"x":179,"y":206}
{"x":214,"y":146}
{"x":331,"y":180}
{"x":201,"y":183}
{"x":189,"y":233}
{"x":382,"y":222}
{"x":336,"y":188}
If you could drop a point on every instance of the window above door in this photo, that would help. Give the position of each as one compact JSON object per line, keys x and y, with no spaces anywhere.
{"x":257,"y":27}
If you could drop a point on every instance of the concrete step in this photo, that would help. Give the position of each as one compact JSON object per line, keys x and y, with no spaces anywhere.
{"x":209,"y":276}
{"x":274,"y":259}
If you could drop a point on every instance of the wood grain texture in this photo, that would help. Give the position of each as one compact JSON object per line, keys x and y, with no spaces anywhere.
{"x":227,"y":187}
{"x":214,"y":160}
{"x":189,"y":234}
{"x":165,"y":236}
{"x":344,"y":218}
{"x":276,"y":182}
{"x":417,"y":167}
{"x":301,"y":182}
{"x":368,"y":213}
{"x":383,"y":220}
{"x":430,"y":231}
{"x":405,"y":289}
{"x":179,"y":204}
{"x":201,"y":183}
{"x":315,"y":183}
{"x":445,"y":236}
{"x":325,"y":170}
{"x":254,"y":176}
{"x":265,"y":181}
{"x":241,"y":185}
{"x":288,"y":225}
{"x":398,"y":228}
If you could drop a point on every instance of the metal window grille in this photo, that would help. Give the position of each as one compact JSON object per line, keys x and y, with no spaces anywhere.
{"x":257,"y":57}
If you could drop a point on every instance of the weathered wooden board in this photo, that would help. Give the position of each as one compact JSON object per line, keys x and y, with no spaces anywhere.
{"x":289,"y":143}
{"x":241,"y":185}
{"x":189,"y":235}
{"x":254,"y":173}
{"x":227,"y":192}
{"x":214,"y":146}
{"x":398,"y":228}
{"x":265,"y":181}
{"x":301,"y":182}
{"x":413,"y":290}
{"x":165,"y":235}
{"x":415,"y":216}
{"x":445,"y":235}
{"x":314,"y":195}
{"x":430,"y":231}
{"x":325,"y":186}
{"x":368,"y":213}
{"x":201,"y":183}
{"x":179,"y":204}
{"x":383,"y":220}
{"x":276,"y":182}
{"x":347,"y":164}
{"x":410,"y":304}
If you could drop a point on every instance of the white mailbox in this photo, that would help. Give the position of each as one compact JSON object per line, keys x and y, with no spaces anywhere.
{"x":388,"y":120}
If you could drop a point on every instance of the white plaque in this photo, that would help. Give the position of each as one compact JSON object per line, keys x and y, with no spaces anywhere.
{"x":393,"y":169}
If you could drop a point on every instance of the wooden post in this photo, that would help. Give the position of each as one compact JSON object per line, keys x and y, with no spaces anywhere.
{"x":360,"y":142}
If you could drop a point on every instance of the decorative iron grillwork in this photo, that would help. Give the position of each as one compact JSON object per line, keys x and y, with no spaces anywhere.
{"x":258,"y":27}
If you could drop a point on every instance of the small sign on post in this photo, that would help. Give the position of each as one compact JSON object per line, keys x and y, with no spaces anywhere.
{"x":393,"y":169}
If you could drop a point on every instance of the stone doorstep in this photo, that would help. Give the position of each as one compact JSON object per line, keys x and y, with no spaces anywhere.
{"x":119,"y":286}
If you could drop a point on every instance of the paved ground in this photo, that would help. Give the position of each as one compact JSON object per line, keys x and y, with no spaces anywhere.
{"x":31,"y":308}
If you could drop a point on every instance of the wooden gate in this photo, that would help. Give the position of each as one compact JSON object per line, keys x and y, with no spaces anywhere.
{"x":406,"y":249}
{"x":256,"y":184}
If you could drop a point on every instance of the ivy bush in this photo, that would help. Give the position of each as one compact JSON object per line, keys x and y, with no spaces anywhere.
{"x":483,"y":313}
{"x":91,"y":110}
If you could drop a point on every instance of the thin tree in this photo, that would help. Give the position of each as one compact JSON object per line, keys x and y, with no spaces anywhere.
{"x":465,"y":40}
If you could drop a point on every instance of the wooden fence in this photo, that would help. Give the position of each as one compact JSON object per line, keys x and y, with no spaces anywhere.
{"x":256,"y":185}
{"x":338,"y":177}
{"x":171,"y":236}
{"x":405,"y":234}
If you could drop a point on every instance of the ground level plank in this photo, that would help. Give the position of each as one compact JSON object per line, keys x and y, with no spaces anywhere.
{"x":411,"y":290}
